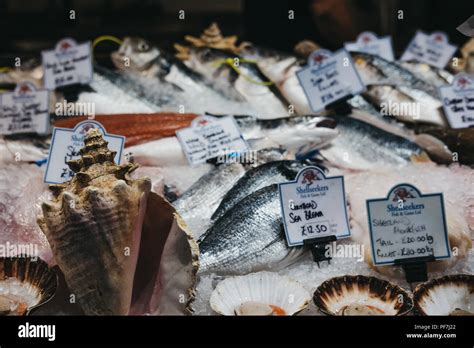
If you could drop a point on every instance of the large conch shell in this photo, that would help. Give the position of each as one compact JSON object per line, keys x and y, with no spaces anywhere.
{"x":94,"y":226}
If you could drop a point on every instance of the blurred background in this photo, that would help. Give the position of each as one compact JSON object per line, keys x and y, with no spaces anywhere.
{"x":28,"y":26}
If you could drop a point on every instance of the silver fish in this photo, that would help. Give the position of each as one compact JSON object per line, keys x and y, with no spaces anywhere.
{"x":435,"y":76}
{"x":197,"y":204}
{"x":227,"y":72}
{"x":361,"y":146}
{"x":257,"y":178}
{"x":249,"y":237}
{"x":176,"y":85}
{"x":376,"y":70}
{"x":406,"y":104}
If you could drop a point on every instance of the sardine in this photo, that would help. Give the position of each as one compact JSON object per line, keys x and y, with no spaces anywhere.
{"x":257,"y":178}
{"x":249,"y":237}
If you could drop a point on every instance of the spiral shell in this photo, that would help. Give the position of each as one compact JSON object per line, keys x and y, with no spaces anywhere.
{"x":94,"y":226}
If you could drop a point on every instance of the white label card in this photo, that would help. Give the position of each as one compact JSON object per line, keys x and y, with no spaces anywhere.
{"x":313,"y":206}
{"x":368,"y":42}
{"x":328,"y":78}
{"x":65,"y":146}
{"x":25,"y":110}
{"x":458,"y":101}
{"x":407,"y":224}
{"x":432,"y":49}
{"x":67,"y":64}
{"x":209,"y":137}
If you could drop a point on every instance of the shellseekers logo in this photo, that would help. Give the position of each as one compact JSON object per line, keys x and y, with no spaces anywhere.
{"x":24,"y":90}
{"x":437,"y":39}
{"x":86,"y":127}
{"x":402,"y":194}
{"x":66,"y":47}
{"x":306,"y":180}
{"x":463,"y":83}
{"x":319,"y":57}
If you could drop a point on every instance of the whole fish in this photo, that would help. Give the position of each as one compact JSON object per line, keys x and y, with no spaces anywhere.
{"x":257,"y":178}
{"x":177,"y":86}
{"x":201,"y":199}
{"x":361,"y":146}
{"x":406,"y":104}
{"x":375,"y":70}
{"x":249,"y":237}
{"x":28,"y":148}
{"x":228,"y":72}
{"x":435,"y":76}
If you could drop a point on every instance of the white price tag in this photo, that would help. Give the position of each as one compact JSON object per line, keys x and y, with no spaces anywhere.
{"x":209,"y":137}
{"x":328,"y":78}
{"x":458,"y":101}
{"x":432,"y":49}
{"x":407,"y":224}
{"x":65,"y":146}
{"x":368,"y":42}
{"x":24,"y":110}
{"x":69,"y":63}
{"x":313,"y":206}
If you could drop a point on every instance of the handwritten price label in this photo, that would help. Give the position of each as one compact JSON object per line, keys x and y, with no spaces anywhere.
{"x":25,"y":110}
{"x":313,"y":206}
{"x":458,"y":101}
{"x":407,"y":224}
{"x":69,"y":63}
{"x":65,"y":146}
{"x":329,"y":77}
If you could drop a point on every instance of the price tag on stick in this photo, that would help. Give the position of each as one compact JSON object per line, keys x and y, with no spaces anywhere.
{"x":314,"y":210}
{"x":458,"y":101}
{"x":65,"y":146}
{"x":329,"y":78}
{"x":431,"y":49}
{"x":69,"y":63}
{"x":210,"y":137}
{"x":408,"y":228}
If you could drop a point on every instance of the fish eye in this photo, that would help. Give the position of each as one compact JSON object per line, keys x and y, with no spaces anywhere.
{"x":143,"y":46}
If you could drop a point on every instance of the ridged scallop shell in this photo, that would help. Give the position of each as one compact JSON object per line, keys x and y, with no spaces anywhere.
{"x":262,"y":293}
{"x":25,"y":284}
{"x":361,"y":295}
{"x":94,"y":225}
{"x":448,"y":295}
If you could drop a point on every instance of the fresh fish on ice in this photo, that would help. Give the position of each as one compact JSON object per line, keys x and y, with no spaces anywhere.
{"x":249,"y":237}
{"x":361,"y":146}
{"x":435,"y":76}
{"x":257,"y":178}
{"x":219,"y":68}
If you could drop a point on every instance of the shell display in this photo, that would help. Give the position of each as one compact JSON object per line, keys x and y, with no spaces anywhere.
{"x":262,"y":293}
{"x":94,"y":226}
{"x":361,"y":295}
{"x":448,"y":295}
{"x":25,"y":284}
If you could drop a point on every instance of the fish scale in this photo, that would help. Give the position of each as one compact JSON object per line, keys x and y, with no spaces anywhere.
{"x":248,"y":237}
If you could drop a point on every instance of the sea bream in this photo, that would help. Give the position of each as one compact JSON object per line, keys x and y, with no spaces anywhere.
{"x":249,"y":237}
{"x":256,"y":178}
{"x":229,"y":72}
{"x":435,"y":76}
{"x":172,"y":82}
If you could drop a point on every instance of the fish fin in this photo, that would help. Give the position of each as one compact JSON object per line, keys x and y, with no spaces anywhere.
{"x":420,"y":158}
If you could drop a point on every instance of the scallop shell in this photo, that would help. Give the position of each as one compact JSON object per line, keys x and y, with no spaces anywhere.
{"x":262,"y":293}
{"x":448,"y":295}
{"x":25,"y":284}
{"x":94,"y":226}
{"x":361,"y":295}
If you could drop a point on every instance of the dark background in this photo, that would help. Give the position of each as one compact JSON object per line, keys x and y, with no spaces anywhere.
{"x":28,"y":26}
